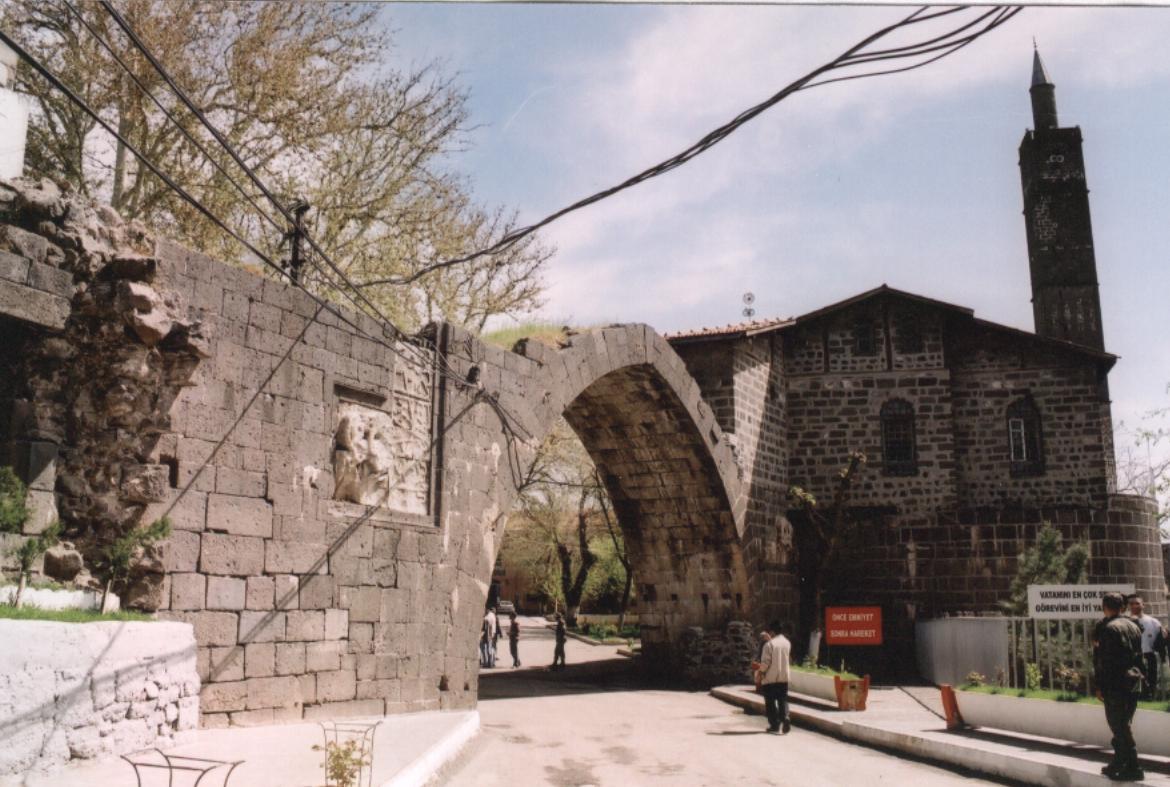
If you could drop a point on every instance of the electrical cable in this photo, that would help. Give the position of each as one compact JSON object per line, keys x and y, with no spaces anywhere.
{"x":187,"y":196}
{"x":850,"y":57}
{"x":444,"y":364}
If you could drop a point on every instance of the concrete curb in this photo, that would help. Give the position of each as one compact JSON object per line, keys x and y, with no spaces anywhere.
{"x":1005,"y":766}
{"x":611,"y":642}
{"x":423,"y":769}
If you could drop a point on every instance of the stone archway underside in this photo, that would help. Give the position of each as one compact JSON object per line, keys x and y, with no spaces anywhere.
{"x":669,"y":499}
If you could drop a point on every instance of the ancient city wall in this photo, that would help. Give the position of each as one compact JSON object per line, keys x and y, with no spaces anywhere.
{"x":338,"y":492}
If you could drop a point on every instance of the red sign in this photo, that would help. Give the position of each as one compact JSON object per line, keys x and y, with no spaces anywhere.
{"x":853,"y":626}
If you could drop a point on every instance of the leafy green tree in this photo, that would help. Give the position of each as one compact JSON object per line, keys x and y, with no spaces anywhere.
{"x":1046,"y":562}
{"x":118,"y":558}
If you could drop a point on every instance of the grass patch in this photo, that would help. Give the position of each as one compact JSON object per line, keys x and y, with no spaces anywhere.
{"x":67,"y":615}
{"x":1053,"y":695}
{"x":544,"y":332}
{"x":604,"y":631}
{"x":829,"y":672}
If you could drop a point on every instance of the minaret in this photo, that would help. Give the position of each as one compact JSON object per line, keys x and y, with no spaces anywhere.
{"x":1065,"y":299}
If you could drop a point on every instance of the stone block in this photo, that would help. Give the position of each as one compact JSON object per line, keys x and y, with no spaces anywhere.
{"x":308,"y":687}
{"x":316,"y":592}
{"x":260,"y":660}
{"x":213,"y":628}
{"x":336,"y":623}
{"x":13,"y":268}
{"x":225,"y":664}
{"x":188,"y":591}
{"x":322,"y":656}
{"x":290,"y":658}
{"x":220,"y":697}
{"x":277,"y":692}
{"x":259,"y":593}
{"x":295,"y":558}
{"x":286,"y":499}
{"x":180,"y":551}
{"x":363,"y":603}
{"x":231,"y":555}
{"x":336,"y":685}
{"x":242,"y":483}
{"x":225,"y":592}
{"x":34,"y":306}
{"x":245,"y":516}
{"x":305,"y":625}
{"x":350,"y":709}
{"x":287,"y":591}
{"x":261,"y":626}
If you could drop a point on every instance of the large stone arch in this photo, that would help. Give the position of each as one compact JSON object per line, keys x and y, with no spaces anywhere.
{"x":668,"y":467}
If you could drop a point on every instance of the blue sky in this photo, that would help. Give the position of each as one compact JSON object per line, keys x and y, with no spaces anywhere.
{"x":910,"y":180}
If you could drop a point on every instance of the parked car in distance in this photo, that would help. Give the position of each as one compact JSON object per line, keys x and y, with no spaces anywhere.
{"x":505,"y":608}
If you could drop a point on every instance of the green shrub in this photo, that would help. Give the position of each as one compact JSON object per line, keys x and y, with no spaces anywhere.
{"x":1032,"y":676}
{"x":13,"y":502}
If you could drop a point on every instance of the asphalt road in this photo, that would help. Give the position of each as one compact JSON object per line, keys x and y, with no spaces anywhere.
{"x":594,"y":724}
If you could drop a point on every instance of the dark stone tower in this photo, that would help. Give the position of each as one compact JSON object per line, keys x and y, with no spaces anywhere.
{"x":1065,"y":299}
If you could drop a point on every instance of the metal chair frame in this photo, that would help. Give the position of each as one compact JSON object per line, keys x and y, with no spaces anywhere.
{"x":176,"y":764}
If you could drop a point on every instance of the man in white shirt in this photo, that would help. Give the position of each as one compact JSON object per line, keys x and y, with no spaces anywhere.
{"x":1151,"y":632}
{"x":773,"y":671}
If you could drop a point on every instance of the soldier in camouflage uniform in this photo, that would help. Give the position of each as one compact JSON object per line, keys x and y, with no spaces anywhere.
{"x":1117,"y":662}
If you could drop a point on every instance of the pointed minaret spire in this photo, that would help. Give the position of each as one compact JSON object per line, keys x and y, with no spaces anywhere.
{"x":1043,"y":93}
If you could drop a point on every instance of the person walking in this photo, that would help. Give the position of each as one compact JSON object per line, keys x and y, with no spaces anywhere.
{"x":1117,"y":667}
{"x":559,"y":651}
{"x":772,"y":668}
{"x":514,"y":640}
{"x":1151,"y":633}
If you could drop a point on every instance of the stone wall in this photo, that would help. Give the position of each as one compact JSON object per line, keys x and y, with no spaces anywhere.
{"x":338,"y":492}
{"x":989,"y":372}
{"x":87,"y":690}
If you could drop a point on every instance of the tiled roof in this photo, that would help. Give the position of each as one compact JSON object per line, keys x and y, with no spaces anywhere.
{"x":750,"y":328}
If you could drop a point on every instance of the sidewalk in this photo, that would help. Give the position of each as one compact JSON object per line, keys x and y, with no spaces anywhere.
{"x":409,"y":749}
{"x":910,"y":721}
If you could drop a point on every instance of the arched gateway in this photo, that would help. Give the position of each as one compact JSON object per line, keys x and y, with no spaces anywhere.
{"x":662,"y":457}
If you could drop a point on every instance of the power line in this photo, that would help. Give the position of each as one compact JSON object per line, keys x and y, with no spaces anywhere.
{"x":289,"y":215}
{"x":174,"y":121}
{"x":219,"y":137}
{"x":187,"y":196}
{"x":853,"y":56}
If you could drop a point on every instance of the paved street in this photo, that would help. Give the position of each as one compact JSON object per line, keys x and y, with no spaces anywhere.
{"x":591,"y":725}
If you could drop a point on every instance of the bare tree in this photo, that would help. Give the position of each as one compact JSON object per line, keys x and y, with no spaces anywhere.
{"x":831,"y":526}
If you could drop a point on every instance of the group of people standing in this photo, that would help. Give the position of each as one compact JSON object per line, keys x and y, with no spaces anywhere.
{"x":1127,"y":651}
{"x":490,"y":635}
{"x":491,"y":632}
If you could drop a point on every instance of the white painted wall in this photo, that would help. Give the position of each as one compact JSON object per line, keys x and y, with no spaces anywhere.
{"x":86,"y":690}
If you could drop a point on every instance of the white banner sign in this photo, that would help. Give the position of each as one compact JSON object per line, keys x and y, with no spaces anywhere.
{"x":1069,"y":602}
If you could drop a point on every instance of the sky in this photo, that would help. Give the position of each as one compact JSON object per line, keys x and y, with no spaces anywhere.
{"x":910,"y":180}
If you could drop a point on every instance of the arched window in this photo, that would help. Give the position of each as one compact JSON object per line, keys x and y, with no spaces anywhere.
{"x":1025,"y":437}
{"x":899,"y":453}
